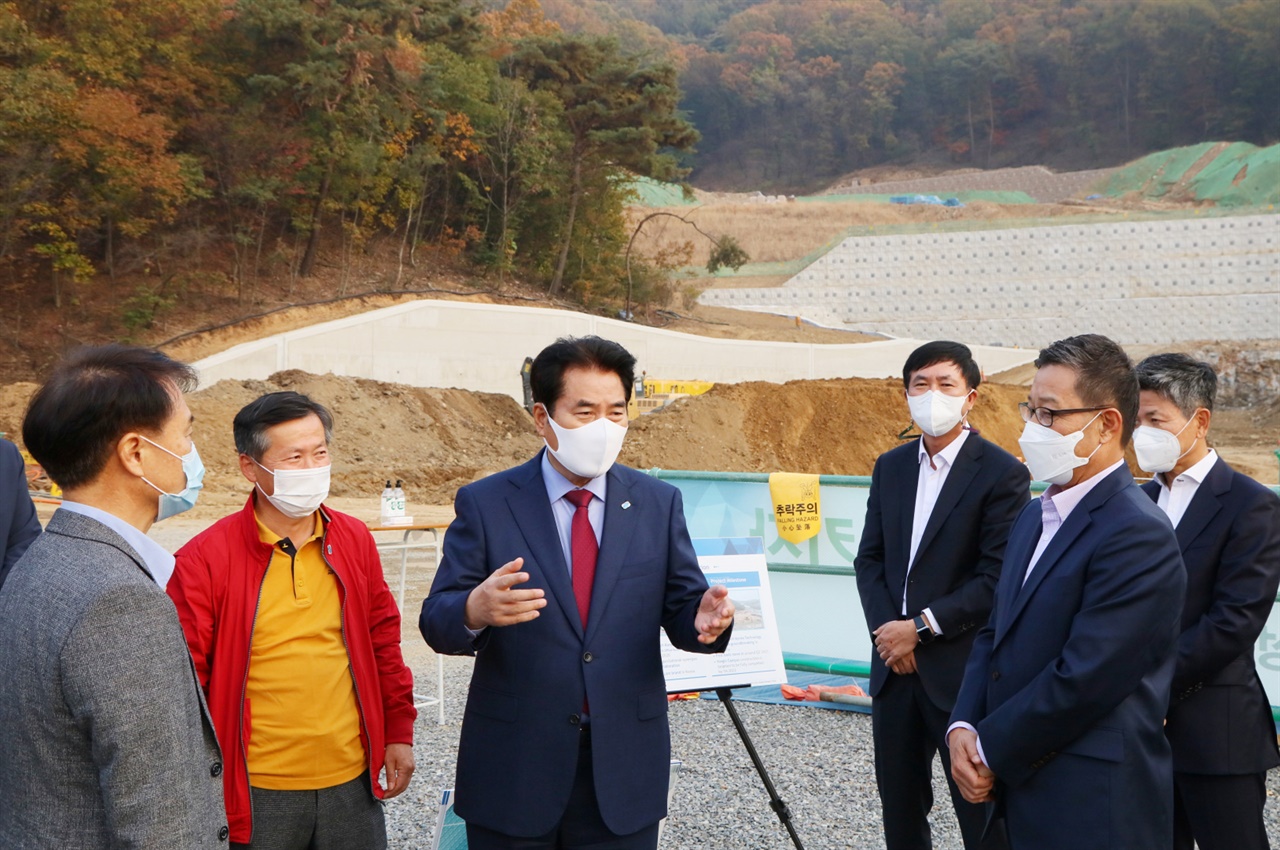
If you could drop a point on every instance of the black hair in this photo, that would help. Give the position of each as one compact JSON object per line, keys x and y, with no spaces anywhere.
{"x":1104,"y":375}
{"x":249,"y":428}
{"x":1187,"y":382}
{"x":546,"y":376}
{"x":943,"y":351}
{"x":95,"y":396}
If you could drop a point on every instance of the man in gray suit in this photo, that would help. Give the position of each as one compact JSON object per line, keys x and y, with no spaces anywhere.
{"x":107,"y":740}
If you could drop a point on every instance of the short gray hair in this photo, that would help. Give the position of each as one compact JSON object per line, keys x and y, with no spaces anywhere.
{"x":1189,"y":383}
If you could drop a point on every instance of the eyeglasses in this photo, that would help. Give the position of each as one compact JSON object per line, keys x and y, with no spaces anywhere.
{"x":1044,"y":415}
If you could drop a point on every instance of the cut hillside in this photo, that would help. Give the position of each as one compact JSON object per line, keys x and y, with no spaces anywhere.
{"x":830,"y":427}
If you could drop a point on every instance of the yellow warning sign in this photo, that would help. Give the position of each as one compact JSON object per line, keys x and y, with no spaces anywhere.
{"x":797,"y":509}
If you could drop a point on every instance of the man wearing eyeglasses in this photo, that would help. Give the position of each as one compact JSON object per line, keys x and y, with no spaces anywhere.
{"x":938,"y":516}
{"x":1228,"y":525}
{"x":1059,"y":721}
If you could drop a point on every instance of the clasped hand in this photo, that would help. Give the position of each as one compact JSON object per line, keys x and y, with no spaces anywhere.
{"x":896,"y":644}
{"x":975,"y":779}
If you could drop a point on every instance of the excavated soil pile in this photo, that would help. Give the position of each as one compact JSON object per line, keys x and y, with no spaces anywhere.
{"x":832,"y":427}
{"x":435,"y":440}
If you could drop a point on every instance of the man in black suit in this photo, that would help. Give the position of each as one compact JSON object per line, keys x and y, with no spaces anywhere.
{"x":1219,"y":721}
{"x":18,"y":523}
{"x":938,"y":517}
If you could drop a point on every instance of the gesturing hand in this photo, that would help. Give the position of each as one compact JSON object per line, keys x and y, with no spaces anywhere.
{"x":975,"y":779}
{"x":715,"y":613}
{"x":495,"y":602}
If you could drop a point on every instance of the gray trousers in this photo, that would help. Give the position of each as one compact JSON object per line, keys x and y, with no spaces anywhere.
{"x":344,"y":817}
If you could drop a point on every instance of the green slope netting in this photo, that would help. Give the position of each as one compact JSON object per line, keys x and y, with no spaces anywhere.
{"x":1239,"y":175}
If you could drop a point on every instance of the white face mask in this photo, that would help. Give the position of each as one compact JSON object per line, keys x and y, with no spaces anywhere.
{"x":1158,"y":450}
{"x":936,"y":413}
{"x":298,"y":492}
{"x":1051,"y":457}
{"x":587,"y":451}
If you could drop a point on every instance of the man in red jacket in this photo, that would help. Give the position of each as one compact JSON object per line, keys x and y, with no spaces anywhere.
{"x":296,"y":640}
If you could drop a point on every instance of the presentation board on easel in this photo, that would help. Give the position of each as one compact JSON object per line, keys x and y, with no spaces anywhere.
{"x":754,"y":656}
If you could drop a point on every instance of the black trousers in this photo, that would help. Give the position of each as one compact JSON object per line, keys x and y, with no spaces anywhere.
{"x":1219,"y":812}
{"x":908,"y":730}
{"x":580,"y":828}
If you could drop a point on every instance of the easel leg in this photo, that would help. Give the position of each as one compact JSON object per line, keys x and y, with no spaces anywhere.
{"x":775,"y":802}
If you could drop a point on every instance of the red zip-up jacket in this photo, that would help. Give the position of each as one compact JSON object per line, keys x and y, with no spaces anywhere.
{"x":215,"y":587}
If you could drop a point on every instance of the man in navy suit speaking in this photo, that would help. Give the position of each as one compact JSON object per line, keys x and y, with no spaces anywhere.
{"x":557,"y":575}
{"x":1060,"y":717}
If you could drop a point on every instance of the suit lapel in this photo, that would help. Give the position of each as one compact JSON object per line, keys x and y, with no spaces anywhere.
{"x":1204,"y":504}
{"x":1077,"y":521}
{"x":615,"y":543}
{"x":1022,"y":544}
{"x":532,"y":511}
{"x":909,"y":479}
{"x":958,"y":481}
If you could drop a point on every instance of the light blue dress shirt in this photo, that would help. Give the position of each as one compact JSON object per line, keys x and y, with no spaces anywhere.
{"x":563,"y":510}
{"x":158,"y":562}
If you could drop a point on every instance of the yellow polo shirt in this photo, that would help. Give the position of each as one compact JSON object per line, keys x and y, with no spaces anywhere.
{"x":302,"y":725}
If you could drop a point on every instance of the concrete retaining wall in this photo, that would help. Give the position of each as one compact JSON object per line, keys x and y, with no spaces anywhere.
{"x":481,"y":347}
{"x":1137,"y":282}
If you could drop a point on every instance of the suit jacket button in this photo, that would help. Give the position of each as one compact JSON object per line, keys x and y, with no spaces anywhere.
{"x":588,"y":657}
{"x":223,"y":833}
{"x":995,"y":675}
{"x":575,"y":719}
{"x":215,"y":770}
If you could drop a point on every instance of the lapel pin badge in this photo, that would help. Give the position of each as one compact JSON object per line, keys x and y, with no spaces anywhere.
{"x":626,"y":505}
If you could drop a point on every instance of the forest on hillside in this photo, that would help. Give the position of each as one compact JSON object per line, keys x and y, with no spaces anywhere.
{"x":792,"y":93}
{"x":195,"y":149}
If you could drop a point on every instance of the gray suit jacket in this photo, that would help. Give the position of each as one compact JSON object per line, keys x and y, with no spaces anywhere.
{"x":108,"y":743}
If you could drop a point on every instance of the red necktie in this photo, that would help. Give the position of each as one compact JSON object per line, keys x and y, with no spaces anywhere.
{"x":583,"y":549}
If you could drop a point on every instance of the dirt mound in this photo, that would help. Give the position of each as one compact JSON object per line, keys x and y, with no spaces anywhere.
{"x":435,"y":440}
{"x":832,"y":427}
{"x":13,"y":405}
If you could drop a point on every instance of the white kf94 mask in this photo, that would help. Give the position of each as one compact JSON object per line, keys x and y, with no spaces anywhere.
{"x":588,"y":451}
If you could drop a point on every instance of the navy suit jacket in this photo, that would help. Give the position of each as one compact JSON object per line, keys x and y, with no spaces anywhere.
{"x":958,"y":561}
{"x":18,"y":523}
{"x":519,"y":745}
{"x":1219,"y":715}
{"x":1068,"y":683}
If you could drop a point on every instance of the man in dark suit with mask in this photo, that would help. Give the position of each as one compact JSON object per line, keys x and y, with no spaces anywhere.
{"x":1059,"y":720}
{"x":557,"y":575}
{"x":938,"y":516}
{"x":1228,"y":525}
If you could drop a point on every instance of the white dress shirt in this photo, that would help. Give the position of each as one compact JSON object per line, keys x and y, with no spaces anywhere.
{"x":933,"y":474}
{"x":157,"y":561}
{"x":1056,"y":505}
{"x":563,"y":510}
{"x":1176,"y":496}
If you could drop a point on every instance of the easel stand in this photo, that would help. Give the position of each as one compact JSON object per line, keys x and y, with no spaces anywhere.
{"x":775,"y":802}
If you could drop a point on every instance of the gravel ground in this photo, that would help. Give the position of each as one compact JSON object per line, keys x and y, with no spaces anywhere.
{"x":820,"y":762}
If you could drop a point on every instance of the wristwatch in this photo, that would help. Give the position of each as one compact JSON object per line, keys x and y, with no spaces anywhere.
{"x":923,"y":631}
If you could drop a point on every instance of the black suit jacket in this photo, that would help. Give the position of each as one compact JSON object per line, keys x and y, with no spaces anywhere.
{"x":1219,"y":716}
{"x":18,"y":522}
{"x":958,"y":562}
